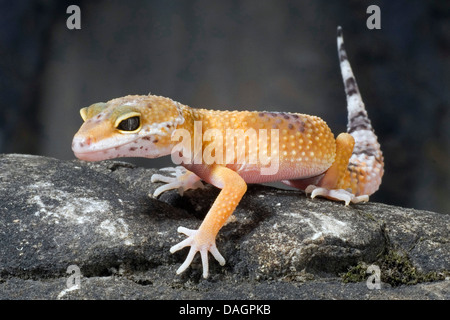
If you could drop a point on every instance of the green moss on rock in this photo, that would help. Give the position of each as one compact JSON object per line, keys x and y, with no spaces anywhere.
{"x":396,"y":269}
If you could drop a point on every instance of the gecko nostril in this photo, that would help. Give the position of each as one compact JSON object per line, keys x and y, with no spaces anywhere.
{"x":80,"y":142}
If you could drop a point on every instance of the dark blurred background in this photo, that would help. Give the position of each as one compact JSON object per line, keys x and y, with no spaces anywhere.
{"x":262,"y":55}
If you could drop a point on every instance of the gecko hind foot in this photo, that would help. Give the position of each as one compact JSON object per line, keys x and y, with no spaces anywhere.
{"x":197,"y":245}
{"x":182,"y":179}
{"x":335,"y":194}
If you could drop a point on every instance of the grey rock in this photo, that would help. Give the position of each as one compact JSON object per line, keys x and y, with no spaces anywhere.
{"x":56,"y":213}
{"x":120,"y":287}
{"x":424,"y":235}
{"x":103,"y":218}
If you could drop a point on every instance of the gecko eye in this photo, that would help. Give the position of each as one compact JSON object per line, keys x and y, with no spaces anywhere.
{"x":130,"y":124}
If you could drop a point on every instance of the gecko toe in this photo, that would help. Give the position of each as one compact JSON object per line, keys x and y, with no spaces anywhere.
{"x":181,"y":180}
{"x":335,"y":194}
{"x":202,"y":246}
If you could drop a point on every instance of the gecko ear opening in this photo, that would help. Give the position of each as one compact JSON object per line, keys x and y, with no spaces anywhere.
{"x":92,"y":110}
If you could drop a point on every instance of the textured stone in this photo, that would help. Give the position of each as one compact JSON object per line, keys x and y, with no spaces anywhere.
{"x":100,"y":217}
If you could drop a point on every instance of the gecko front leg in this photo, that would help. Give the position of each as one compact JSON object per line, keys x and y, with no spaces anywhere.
{"x":203,"y":240}
{"x":182,"y":179}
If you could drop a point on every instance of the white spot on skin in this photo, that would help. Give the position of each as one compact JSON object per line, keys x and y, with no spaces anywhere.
{"x":366,"y":136}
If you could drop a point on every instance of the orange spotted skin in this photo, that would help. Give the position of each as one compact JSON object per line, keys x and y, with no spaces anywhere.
{"x":305,"y":149}
{"x":306,"y":146}
{"x":235,"y":148}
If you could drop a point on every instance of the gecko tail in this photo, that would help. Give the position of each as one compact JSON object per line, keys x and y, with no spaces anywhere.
{"x":366,"y":162}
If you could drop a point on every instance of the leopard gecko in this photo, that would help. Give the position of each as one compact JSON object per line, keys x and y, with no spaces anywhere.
{"x":348,"y":168}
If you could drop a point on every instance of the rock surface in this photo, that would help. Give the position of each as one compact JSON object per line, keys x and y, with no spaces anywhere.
{"x":281,"y":245}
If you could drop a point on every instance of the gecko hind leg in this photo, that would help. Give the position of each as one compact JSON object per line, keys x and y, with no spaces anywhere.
{"x":335,"y":184}
{"x":182,"y":179}
{"x":335,"y":194}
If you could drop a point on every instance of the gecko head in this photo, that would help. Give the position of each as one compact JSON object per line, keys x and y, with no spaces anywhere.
{"x":131,"y":126}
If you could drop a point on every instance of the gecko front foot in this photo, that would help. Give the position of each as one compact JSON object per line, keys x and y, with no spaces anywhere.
{"x":198,"y":242}
{"x":181,"y":179}
{"x":335,"y":194}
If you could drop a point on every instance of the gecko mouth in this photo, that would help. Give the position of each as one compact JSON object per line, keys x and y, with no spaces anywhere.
{"x":85,"y":149}
{"x":141,"y":147}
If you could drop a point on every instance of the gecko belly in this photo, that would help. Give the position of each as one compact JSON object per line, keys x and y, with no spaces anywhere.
{"x":290,"y":171}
